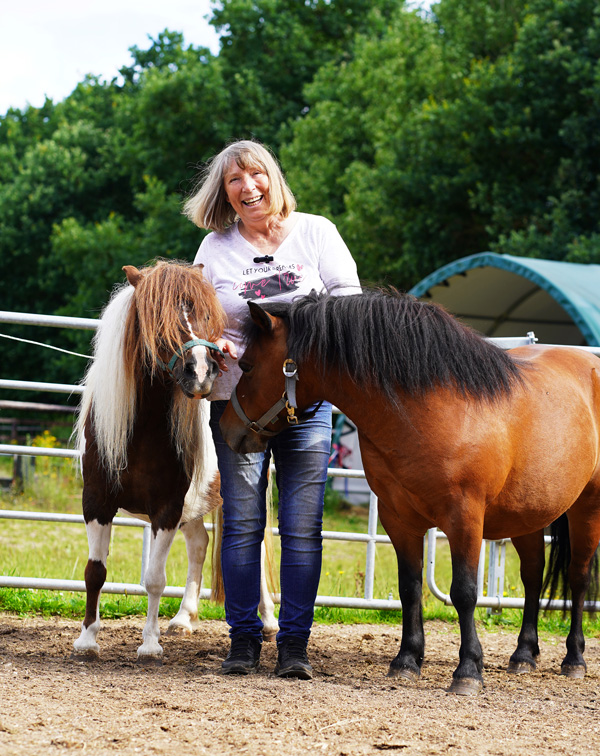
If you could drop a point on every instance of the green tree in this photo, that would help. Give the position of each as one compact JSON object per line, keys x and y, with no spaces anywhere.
{"x":283,"y":43}
{"x":479,"y":30}
{"x":544,"y":200}
{"x":425,"y":136}
{"x":176,"y":112}
{"x":348,"y":155}
{"x":487,"y":141}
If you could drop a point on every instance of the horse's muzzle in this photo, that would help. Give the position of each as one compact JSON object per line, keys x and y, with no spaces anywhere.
{"x":237,"y":437}
{"x":196,"y":380}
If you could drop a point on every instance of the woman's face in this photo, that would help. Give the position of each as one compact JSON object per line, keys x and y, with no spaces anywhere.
{"x":247,"y":191}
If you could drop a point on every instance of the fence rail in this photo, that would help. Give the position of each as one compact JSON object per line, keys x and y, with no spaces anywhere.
{"x":491,"y":598}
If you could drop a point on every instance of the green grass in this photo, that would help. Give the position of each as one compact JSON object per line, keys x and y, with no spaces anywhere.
{"x":58,"y":550}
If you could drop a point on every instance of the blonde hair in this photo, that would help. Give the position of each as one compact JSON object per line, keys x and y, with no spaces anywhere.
{"x":208,"y":206}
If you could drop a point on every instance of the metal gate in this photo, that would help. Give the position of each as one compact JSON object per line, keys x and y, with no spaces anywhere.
{"x":491,"y":598}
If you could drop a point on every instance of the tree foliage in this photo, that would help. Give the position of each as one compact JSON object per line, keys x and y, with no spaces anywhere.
{"x":486,"y":139}
{"x":425,"y":136}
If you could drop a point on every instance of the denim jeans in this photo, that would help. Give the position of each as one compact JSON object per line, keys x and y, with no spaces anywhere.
{"x":301,"y":454}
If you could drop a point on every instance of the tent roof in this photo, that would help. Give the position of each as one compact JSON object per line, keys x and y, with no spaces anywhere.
{"x":502,"y":295}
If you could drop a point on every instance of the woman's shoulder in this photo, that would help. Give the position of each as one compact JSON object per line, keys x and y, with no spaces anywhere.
{"x":216,"y":238}
{"x":215,"y":246}
{"x":315,"y":222}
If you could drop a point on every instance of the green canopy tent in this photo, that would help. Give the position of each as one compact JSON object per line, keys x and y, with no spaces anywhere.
{"x":502,"y":295}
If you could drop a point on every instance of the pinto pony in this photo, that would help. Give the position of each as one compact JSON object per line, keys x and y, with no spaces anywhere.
{"x":454,"y":433}
{"x":145,"y":443}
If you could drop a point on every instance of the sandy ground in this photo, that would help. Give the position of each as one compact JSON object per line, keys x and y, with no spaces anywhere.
{"x":50,"y":703}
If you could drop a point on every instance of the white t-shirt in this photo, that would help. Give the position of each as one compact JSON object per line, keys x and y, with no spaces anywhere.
{"x":312,"y":256}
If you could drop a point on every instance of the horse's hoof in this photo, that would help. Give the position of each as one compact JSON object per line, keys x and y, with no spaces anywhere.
{"x":180,"y":630}
{"x":404,"y":673}
{"x":269,"y":637}
{"x":573,"y":671}
{"x":466,"y":686}
{"x":520,"y":668}
{"x":89,"y":655}
{"x":150,"y":661}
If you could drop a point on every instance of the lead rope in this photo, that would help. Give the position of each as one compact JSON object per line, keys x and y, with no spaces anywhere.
{"x":47,"y":346}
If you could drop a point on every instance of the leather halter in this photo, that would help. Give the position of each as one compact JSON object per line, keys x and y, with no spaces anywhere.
{"x":287,"y":402}
{"x":168,"y":366}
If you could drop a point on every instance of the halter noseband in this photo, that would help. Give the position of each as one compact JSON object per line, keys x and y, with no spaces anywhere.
{"x":168,"y":366}
{"x":287,"y":402}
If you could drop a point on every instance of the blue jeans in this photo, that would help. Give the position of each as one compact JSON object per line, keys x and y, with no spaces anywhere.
{"x":301,"y":454}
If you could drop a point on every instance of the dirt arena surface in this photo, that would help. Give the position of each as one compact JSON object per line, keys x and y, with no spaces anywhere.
{"x":51,"y":704}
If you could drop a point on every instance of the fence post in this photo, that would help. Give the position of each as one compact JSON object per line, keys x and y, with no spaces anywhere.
{"x":481,"y":571}
{"x":372,"y":532}
{"x":496,"y":565}
{"x":23,"y":467}
{"x":146,"y":541}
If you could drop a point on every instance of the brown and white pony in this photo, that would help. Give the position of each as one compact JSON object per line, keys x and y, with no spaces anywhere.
{"x":144,"y":437}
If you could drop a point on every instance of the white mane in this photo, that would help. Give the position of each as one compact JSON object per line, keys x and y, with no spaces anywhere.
{"x":107,"y":392}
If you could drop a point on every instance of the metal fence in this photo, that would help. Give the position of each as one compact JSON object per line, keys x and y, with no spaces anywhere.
{"x":490,"y":595}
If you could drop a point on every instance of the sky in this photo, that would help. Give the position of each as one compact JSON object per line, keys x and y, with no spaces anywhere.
{"x":48,"y":46}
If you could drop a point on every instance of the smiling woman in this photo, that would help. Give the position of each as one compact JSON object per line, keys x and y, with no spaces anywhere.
{"x":247,"y":190}
{"x":261,"y":248}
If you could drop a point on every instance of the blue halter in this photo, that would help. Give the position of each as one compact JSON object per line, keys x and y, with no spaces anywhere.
{"x":186,"y":347}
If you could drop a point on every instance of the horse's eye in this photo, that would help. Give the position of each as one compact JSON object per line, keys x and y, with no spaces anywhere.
{"x":245,"y":367}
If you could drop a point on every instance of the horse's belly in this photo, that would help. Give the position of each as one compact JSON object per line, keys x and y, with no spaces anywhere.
{"x":137,"y":515}
{"x":537,"y":498}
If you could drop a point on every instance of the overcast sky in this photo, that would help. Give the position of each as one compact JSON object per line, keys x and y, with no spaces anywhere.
{"x":48,"y":46}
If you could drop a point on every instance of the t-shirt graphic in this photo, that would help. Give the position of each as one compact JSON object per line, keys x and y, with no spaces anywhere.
{"x":271,"y":286}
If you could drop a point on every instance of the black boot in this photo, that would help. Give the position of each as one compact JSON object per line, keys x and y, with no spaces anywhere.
{"x":243,"y":655}
{"x":292,"y":660}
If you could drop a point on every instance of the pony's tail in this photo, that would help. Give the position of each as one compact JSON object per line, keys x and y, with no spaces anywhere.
{"x":217,"y":593}
{"x":556,"y":582}
{"x":217,"y":588}
{"x":270,"y":566}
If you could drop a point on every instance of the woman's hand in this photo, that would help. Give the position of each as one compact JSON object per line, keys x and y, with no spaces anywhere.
{"x":228,"y":347}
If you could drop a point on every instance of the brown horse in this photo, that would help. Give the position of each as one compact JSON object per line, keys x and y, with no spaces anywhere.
{"x":454,"y":433}
{"x":145,"y":443}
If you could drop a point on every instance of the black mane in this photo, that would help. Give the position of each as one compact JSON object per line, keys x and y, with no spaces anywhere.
{"x":394,"y":342}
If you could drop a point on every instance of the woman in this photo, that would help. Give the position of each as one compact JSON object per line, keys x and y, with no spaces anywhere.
{"x":260,"y":248}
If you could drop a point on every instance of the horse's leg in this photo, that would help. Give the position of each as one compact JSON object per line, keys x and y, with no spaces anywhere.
{"x":409,"y":553}
{"x":465,"y":547}
{"x":95,"y":575}
{"x":196,"y":543}
{"x":266,"y":607}
{"x":154,"y":582}
{"x":530,"y":549}
{"x":584,"y":537}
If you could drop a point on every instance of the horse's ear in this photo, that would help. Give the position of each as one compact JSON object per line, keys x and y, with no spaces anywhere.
{"x":200,"y":266}
{"x":262,"y":318}
{"x":133,"y":274}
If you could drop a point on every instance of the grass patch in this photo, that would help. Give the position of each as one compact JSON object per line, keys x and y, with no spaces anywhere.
{"x":25,"y":601}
